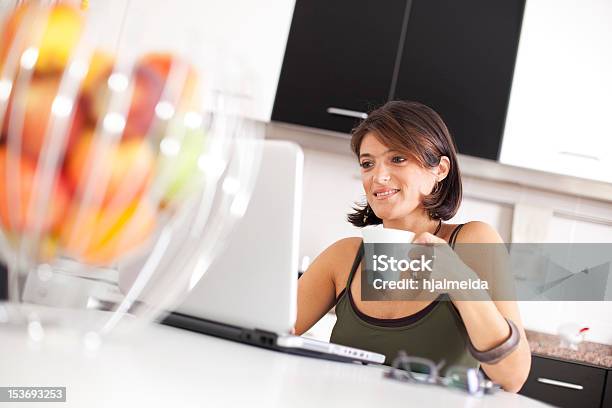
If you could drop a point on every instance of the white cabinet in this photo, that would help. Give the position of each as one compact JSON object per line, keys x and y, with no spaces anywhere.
{"x":578,"y":230}
{"x":560,"y":105}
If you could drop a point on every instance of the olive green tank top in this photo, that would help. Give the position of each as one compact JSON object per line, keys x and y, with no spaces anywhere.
{"x":435,"y":332}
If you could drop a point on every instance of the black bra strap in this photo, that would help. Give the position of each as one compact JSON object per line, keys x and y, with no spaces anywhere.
{"x":453,"y":236}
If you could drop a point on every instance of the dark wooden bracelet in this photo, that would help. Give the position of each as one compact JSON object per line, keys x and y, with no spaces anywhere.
{"x":497,"y":353}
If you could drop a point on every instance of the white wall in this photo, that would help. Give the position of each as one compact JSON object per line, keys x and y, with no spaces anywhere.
{"x":332,"y":184}
{"x":239,"y":44}
{"x":330,"y":188}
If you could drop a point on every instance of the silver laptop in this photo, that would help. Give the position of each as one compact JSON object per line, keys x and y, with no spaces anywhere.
{"x":249,"y":293}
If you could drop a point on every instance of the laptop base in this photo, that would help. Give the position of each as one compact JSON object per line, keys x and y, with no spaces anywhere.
{"x":253,"y":337}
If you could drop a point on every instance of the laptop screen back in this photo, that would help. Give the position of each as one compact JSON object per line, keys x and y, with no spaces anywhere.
{"x":253,"y":282}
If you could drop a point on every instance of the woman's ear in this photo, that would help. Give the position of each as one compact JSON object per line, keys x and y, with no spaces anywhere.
{"x":443,"y":168}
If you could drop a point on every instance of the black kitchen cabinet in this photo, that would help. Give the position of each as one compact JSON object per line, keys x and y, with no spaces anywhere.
{"x":565,"y":384}
{"x":340,"y":56}
{"x":455,"y":56}
{"x":3,"y":282}
{"x":458,"y":58}
{"x":607,"y":399}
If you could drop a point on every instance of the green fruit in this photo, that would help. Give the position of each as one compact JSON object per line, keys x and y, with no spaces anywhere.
{"x":178,"y":173}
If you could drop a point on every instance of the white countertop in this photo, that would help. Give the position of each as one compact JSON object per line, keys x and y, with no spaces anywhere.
{"x":162,"y":366}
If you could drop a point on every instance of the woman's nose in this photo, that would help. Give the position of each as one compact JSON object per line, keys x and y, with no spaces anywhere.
{"x":382,"y":176}
{"x":383,"y":179}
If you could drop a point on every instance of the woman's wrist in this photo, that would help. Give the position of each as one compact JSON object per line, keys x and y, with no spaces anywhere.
{"x":486,"y":326}
{"x":495,"y":354}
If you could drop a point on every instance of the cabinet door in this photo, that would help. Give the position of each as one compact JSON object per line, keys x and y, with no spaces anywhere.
{"x":564,"y":384}
{"x":339,"y":61}
{"x":559,"y":114}
{"x":458,"y":58}
{"x":607,"y":399}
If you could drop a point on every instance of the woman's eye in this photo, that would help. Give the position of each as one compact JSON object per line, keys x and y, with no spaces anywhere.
{"x":398,"y":159}
{"x":366,"y":165}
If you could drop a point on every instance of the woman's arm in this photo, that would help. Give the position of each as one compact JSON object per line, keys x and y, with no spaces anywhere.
{"x":485,"y":319}
{"x":487,"y":328}
{"x":317,"y":288}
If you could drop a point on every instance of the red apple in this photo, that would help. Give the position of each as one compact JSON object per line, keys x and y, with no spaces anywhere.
{"x":147,"y":93}
{"x":147,"y":90}
{"x":163,"y":62}
{"x":22,"y":171}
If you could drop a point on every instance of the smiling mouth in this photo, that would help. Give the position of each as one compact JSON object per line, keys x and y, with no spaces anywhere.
{"x":386,"y":194}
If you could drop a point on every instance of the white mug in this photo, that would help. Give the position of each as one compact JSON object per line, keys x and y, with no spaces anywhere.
{"x":377,"y":234}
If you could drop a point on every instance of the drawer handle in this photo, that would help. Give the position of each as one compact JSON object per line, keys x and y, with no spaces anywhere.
{"x":346,"y":112}
{"x":560,"y":383}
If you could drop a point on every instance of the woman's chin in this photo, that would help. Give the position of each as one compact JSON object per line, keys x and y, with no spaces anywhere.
{"x":389,"y":218}
{"x":383,"y":215}
{"x":392,"y":214}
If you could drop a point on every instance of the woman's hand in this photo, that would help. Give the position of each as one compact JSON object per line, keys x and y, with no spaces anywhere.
{"x":448,"y":270}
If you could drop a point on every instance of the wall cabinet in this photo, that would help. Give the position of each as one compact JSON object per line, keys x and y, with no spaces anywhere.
{"x":346,"y":57}
{"x":458,"y":58}
{"x":338,"y":62}
{"x":558,"y":116}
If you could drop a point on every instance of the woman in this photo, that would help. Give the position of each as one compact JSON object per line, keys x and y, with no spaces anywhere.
{"x":412,"y":182}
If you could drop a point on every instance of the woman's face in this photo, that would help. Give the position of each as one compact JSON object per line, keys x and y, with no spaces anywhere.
{"x":395,"y":184}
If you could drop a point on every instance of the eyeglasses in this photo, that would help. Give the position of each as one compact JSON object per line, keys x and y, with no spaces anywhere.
{"x":424,"y":371}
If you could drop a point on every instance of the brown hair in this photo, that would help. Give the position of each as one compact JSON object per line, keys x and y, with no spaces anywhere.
{"x":417,"y":130}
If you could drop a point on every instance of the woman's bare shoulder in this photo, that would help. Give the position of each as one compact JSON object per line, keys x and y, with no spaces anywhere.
{"x":343,"y":248}
{"x":339,"y":257}
{"x":478,"y":232}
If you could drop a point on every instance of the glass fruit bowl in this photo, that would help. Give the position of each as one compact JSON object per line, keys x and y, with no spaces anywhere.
{"x":123,"y":164}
